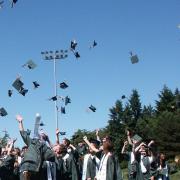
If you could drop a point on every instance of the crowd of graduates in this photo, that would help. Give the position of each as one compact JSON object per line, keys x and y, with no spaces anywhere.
{"x":91,"y":159}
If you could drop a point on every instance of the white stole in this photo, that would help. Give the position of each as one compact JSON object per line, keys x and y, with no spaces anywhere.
{"x":86,"y":157}
{"x":85,"y":164}
{"x":101,"y":175}
{"x":49,"y":176}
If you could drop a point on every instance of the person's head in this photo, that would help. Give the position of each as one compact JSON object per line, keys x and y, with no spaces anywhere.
{"x":81,"y":144}
{"x":66,"y":142}
{"x":162,"y":156}
{"x":136,"y":140}
{"x":94,"y":144}
{"x":107,"y":144}
{"x":24,"y":148}
{"x":17,"y":151}
{"x":59,"y":149}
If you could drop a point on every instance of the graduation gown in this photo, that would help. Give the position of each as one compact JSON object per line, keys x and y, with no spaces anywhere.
{"x":70,"y":168}
{"x":113,"y":170}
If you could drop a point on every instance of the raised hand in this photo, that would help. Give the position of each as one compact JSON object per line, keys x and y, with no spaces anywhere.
{"x":19,"y":118}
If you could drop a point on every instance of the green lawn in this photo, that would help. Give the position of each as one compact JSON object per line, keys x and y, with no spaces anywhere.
{"x":175,"y":176}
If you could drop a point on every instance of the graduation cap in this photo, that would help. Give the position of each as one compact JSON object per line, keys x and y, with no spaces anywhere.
{"x":137,"y":138}
{"x":28,"y":132}
{"x":123,"y":97}
{"x":18,"y":84}
{"x":13,"y":2}
{"x":67,"y":100}
{"x":3,"y":112}
{"x":1,"y":4}
{"x":77,"y":55}
{"x":134,"y":58}
{"x":92,"y":108}
{"x":30,"y":64}
{"x":54,"y":98}
{"x":63,"y":110}
{"x":94,"y":141}
{"x":94,"y":44}
{"x":62,"y":133}
{"x":73,"y":45}
{"x":41,"y":124}
{"x":10,"y":93}
{"x":36,"y":84}
{"x":23,"y":91}
{"x":63,"y":85}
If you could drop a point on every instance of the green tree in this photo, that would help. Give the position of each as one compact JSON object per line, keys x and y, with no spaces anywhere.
{"x":166,"y":101}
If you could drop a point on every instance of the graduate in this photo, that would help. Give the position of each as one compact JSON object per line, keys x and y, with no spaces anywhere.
{"x":37,"y":151}
{"x":109,"y":168}
{"x":91,"y":162}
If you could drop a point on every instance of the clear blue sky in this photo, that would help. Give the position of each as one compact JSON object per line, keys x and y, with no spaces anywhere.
{"x":102,"y":75}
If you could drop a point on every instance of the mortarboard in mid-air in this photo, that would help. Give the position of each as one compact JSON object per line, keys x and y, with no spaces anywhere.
{"x":92,"y":108}
{"x":73,"y":45}
{"x":30,"y":64}
{"x":67,"y":100}
{"x":63,"y":110}
{"x":10,"y":93}
{"x":36,"y":84}
{"x":63,"y":85}
{"x":3,"y":112}
{"x":134,"y":58}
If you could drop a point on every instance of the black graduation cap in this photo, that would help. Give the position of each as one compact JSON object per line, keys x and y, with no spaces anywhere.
{"x":94,"y":141}
{"x":92,"y":108}
{"x":30,"y":64}
{"x":94,"y":43}
{"x":63,"y":85}
{"x":23,"y":91}
{"x":18,"y":84}
{"x":10,"y":93}
{"x":134,"y":58}
{"x":1,"y":4}
{"x":123,"y":97}
{"x":77,"y":55}
{"x":54,"y":98}
{"x":13,"y":2}
{"x":41,"y":124}
{"x":67,"y":100}
{"x":63,"y":110}
{"x":36,"y":84}
{"x":28,"y":132}
{"x":73,"y":45}
{"x":3,"y":112}
{"x":62,"y":133}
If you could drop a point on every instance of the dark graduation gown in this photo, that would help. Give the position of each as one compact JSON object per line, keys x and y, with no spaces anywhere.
{"x":113,"y":169}
{"x":7,"y":168}
{"x":132,"y":167}
{"x":147,"y":164}
{"x":71,"y":172}
{"x":91,"y":168}
{"x":37,"y":153}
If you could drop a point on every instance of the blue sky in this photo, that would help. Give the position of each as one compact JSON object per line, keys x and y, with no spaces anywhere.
{"x":100,"y":76}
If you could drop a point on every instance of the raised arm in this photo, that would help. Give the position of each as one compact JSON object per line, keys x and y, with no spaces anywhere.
{"x":123,"y":151}
{"x":57,"y":136}
{"x":129,"y":137}
{"x":97,"y":135}
{"x":19,"y":118}
{"x":89,"y":144}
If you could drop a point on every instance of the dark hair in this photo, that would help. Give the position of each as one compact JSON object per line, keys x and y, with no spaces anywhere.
{"x":67,"y":141}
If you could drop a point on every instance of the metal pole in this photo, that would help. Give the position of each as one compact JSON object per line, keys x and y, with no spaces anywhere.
{"x":55,"y":92}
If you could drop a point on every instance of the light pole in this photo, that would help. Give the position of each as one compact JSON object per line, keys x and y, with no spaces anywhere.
{"x":54,"y":56}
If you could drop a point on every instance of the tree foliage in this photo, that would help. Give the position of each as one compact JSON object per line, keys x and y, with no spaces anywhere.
{"x":160,"y":123}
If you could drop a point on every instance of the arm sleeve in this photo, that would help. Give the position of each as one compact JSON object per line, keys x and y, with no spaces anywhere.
{"x":25,"y":137}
